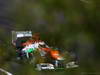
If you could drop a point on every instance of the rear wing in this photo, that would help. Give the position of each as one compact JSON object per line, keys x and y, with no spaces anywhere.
{"x":20,"y":34}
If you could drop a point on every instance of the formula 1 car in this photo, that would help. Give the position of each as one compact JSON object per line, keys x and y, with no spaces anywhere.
{"x":45,"y":57}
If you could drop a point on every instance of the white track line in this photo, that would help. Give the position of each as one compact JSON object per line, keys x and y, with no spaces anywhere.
{"x":8,"y":73}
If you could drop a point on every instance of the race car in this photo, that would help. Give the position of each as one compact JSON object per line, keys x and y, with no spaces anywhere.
{"x":30,"y":46}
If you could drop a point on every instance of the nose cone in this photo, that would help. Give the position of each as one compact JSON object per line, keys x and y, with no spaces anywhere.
{"x":55,"y":55}
{"x":60,"y":58}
